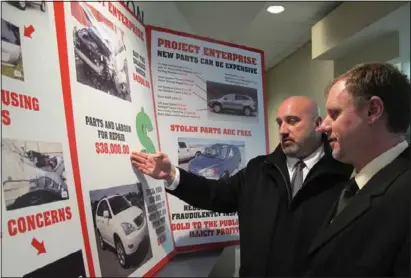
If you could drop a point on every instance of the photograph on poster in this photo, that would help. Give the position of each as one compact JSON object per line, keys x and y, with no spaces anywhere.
{"x":33,"y":173}
{"x":23,"y":5}
{"x":69,"y":266}
{"x":100,"y":52}
{"x":187,"y":152}
{"x":121,"y":229}
{"x":210,"y":158}
{"x":11,"y":56}
{"x":232,"y":103}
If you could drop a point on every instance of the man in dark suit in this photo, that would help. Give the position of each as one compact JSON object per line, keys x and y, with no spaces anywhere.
{"x":281,"y":198}
{"x":367,"y":233}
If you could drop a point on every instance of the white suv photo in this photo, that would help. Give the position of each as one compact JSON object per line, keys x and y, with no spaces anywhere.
{"x":120,"y":225}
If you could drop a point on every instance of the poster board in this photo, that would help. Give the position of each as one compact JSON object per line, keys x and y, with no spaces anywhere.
{"x":77,"y":98}
{"x":35,"y":150}
{"x":76,"y":93}
{"x":210,"y":105}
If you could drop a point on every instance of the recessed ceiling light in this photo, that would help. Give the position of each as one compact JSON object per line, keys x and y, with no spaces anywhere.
{"x":275,"y":9}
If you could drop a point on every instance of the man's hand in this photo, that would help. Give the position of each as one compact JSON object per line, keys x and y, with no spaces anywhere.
{"x":157,"y":165}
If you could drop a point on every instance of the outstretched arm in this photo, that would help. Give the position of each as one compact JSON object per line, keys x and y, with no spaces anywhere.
{"x":215,"y":195}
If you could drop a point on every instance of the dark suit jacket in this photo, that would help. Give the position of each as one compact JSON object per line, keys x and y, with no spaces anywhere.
{"x":371,"y":237}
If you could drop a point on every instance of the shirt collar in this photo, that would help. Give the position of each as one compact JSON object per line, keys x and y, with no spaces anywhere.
{"x":309,"y":161}
{"x":378,"y":163}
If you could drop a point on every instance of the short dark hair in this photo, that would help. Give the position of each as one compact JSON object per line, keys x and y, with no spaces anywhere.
{"x":386,"y":82}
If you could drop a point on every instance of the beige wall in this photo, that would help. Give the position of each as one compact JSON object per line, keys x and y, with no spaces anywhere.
{"x":300,"y":75}
{"x":381,"y":49}
{"x":338,"y":27}
{"x":296,"y":75}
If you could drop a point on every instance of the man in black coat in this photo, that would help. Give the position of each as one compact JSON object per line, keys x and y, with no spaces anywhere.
{"x":281,"y":198}
{"x":367,"y":233}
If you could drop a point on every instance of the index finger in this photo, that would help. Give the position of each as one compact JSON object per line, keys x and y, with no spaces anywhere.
{"x":138,"y":156}
{"x":141,"y":154}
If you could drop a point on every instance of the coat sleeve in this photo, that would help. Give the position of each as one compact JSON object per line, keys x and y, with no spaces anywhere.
{"x":215,"y":195}
{"x":402,"y":262}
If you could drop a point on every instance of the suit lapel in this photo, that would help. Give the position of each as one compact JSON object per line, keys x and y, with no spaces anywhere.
{"x":328,"y":218}
{"x":361,"y":203}
{"x":358,"y":206}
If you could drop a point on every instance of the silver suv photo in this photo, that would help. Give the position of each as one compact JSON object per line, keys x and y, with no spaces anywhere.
{"x":233,"y":102}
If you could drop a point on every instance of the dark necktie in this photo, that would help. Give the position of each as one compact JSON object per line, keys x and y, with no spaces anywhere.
{"x":347,"y":193}
{"x":298,"y":178}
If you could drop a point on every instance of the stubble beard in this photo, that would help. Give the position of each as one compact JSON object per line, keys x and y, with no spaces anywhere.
{"x":291,"y":150}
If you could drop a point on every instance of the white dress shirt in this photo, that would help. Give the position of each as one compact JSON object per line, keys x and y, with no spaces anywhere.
{"x":378,"y":163}
{"x":175,"y":182}
{"x":309,"y":161}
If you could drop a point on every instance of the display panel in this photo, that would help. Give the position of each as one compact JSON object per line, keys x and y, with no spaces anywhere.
{"x":77,"y":100}
{"x":211,"y":119}
{"x":41,"y":222}
{"x":78,"y":96}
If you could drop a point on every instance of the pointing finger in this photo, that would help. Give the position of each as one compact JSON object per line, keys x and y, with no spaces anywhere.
{"x":139,"y":154}
{"x":138,"y":157}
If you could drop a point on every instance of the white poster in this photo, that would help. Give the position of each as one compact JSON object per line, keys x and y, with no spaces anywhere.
{"x":210,"y":112}
{"x":127,"y":217}
{"x":77,"y":99}
{"x":41,"y":231}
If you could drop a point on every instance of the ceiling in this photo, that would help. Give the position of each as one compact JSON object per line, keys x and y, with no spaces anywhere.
{"x":249,"y":24}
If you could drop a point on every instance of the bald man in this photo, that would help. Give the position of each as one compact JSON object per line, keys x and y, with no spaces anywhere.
{"x":281,"y":198}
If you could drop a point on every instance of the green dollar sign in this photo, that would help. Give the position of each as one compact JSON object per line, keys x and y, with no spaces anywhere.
{"x":144,"y":125}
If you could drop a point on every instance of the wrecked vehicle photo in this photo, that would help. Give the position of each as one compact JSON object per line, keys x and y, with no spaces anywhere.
{"x":100,"y":55}
{"x":33,"y":175}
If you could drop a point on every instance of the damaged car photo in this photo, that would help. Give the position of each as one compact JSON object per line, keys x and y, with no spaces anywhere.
{"x":34,"y":175}
{"x":100,"y":53}
{"x":22,"y":5}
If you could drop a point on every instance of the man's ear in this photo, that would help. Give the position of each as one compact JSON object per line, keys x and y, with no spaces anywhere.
{"x":375,"y":109}
{"x":318,"y":120}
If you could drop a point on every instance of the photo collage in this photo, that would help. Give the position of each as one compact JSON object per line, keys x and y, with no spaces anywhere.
{"x":79,"y":94}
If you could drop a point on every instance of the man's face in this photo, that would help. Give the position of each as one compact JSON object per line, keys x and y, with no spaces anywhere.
{"x":297,"y":128}
{"x":345,"y":124}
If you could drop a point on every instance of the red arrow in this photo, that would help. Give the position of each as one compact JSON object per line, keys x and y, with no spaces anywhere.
{"x":39,"y":246}
{"x":28,"y":31}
